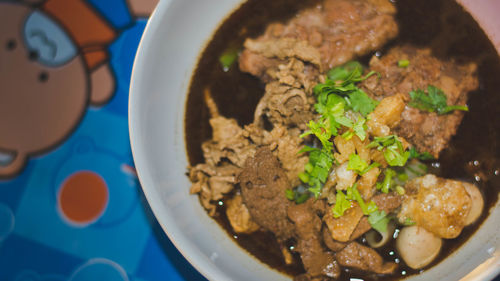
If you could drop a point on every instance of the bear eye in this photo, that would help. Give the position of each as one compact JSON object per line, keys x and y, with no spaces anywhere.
{"x":11,"y":44}
{"x":43,"y":76}
{"x":33,"y":55}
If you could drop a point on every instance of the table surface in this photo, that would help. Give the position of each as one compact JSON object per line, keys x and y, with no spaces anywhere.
{"x":50,"y":227}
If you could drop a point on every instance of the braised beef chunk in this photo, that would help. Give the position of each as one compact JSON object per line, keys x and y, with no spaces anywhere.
{"x":316,"y":259}
{"x":263,"y":183}
{"x":332,"y":244}
{"x":364,"y":258}
{"x":327,"y":35}
{"x":427,"y":131}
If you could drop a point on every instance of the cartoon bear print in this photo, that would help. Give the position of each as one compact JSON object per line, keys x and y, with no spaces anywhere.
{"x":53,"y":64}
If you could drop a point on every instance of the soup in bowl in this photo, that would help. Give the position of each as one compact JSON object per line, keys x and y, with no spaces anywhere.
{"x":234,"y":105}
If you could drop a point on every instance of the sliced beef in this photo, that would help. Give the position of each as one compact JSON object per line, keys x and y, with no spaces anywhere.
{"x":225,"y":155}
{"x":364,"y":258}
{"x":342,"y":227}
{"x":427,"y":131}
{"x":263,"y":183}
{"x":239,"y":216}
{"x":284,"y":105}
{"x":317,"y":261}
{"x":212,"y":182}
{"x":332,"y":244}
{"x":291,"y":57}
{"x":327,"y":35}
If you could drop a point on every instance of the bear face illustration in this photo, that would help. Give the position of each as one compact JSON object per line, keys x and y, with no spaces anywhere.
{"x":48,"y":78}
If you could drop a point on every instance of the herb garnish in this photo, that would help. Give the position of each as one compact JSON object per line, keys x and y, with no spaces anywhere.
{"x":228,"y":57}
{"x":299,"y":195}
{"x":344,"y":201}
{"x":317,"y":169}
{"x":359,"y":165}
{"x":341,"y":82}
{"x":387,"y":183}
{"x":379,"y":220}
{"x":433,"y":101}
{"x":338,"y":94}
{"x":414,"y":154}
{"x":394,"y":152}
{"x":403,"y":63}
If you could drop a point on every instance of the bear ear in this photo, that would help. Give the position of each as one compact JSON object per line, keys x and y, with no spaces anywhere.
{"x":102,"y":84}
{"x":142,"y":8}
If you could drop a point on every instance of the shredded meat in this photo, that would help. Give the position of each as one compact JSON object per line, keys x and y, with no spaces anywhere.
{"x":427,"y":131}
{"x":226,"y":153}
{"x":327,"y":35}
{"x":239,"y":216}
{"x":290,"y":57}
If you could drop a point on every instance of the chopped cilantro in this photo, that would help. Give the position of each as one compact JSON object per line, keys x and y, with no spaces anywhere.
{"x":416,"y":168}
{"x":411,"y":170}
{"x":420,"y":155}
{"x":316,"y":171}
{"x":409,"y":222}
{"x":359,"y":165}
{"x":394,"y":153}
{"x":371,"y":166}
{"x":304,"y":177}
{"x":433,"y":101}
{"x":403,"y":63}
{"x":341,"y":73}
{"x":353,"y":194}
{"x":299,"y":195}
{"x":342,"y":204}
{"x":341,"y":82}
{"x":338,"y":94}
{"x":359,"y":129}
{"x":379,"y":220}
{"x":228,"y":57}
{"x":400,"y":190}
{"x":356,"y":163}
{"x":403,"y":177}
{"x":386,"y":185}
{"x":360,"y":102}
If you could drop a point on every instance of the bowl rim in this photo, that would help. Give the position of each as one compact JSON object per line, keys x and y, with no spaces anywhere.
{"x":173,"y":233}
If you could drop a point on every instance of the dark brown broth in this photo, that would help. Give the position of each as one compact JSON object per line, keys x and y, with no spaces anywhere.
{"x":472,"y":156}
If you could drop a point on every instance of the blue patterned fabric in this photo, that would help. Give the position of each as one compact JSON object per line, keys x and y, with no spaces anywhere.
{"x":40,"y":239}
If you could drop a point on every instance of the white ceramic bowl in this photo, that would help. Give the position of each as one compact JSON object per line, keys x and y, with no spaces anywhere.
{"x":176,"y":34}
